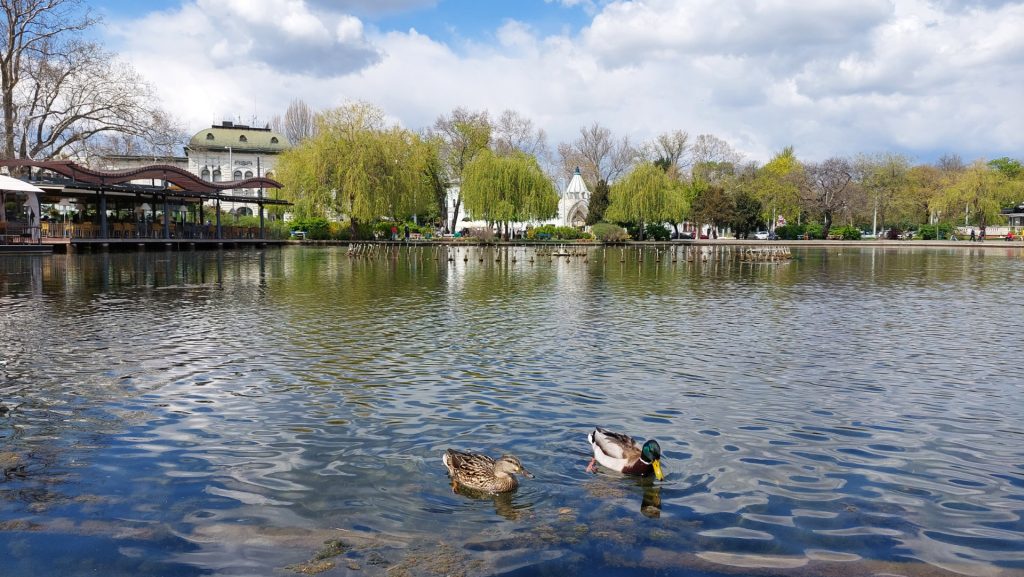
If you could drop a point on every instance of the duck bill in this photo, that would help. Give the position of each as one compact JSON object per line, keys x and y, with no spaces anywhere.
{"x":526,"y":473}
{"x":657,"y":470}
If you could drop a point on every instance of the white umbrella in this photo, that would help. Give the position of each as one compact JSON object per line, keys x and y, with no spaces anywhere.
{"x":9,"y":184}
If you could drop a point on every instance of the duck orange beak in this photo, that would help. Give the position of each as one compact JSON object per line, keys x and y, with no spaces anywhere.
{"x":657,"y":470}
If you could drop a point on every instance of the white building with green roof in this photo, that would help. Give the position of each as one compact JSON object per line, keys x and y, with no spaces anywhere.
{"x":226,"y":152}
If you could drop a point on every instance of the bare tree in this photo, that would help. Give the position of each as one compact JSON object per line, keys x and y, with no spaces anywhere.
{"x":352,"y":118}
{"x":513,"y":131}
{"x":598,"y":156}
{"x":462,"y":135}
{"x":951,"y":163}
{"x":163,"y":141}
{"x":60,"y":94}
{"x":713,"y":159}
{"x":80,"y":92}
{"x":298,"y":124}
{"x":828,"y":188}
{"x":30,"y":30}
{"x":669,"y":150}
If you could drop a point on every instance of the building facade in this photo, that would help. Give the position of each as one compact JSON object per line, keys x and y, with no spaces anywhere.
{"x":222,"y":153}
{"x":228,"y":152}
{"x":573,"y":206}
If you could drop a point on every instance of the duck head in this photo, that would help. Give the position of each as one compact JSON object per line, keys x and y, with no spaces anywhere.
{"x":508,"y":464}
{"x":650,"y":454}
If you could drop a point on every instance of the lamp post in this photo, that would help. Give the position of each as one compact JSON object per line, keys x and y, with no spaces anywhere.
{"x":64,"y":205}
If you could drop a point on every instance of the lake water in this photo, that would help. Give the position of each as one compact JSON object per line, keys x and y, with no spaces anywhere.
{"x":853,"y":411}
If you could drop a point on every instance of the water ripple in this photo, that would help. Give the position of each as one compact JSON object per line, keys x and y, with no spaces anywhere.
{"x":821,"y":411}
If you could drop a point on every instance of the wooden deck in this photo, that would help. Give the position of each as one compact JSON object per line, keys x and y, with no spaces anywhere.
{"x":63,"y":245}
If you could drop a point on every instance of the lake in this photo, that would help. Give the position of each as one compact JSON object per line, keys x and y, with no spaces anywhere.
{"x":851,"y":411}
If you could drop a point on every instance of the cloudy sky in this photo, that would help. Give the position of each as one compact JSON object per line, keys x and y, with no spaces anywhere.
{"x":922,"y":77}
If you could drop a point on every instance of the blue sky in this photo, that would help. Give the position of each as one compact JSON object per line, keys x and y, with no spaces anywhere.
{"x":830,"y":77}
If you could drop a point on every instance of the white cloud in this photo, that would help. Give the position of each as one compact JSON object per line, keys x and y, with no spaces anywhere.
{"x":829,"y":77}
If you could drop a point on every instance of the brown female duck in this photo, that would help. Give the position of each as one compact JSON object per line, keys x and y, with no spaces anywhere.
{"x":482,"y":473}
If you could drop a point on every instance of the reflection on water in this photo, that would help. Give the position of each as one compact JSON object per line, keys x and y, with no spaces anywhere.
{"x":852,"y":412}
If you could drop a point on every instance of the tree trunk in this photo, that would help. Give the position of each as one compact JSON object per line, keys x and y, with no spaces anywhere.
{"x":827,"y":225}
{"x":8,"y":120}
{"x":455,"y":213}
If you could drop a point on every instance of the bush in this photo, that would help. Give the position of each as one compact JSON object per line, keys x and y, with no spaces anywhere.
{"x":608,"y":232}
{"x":552,"y":232}
{"x":656,"y":231}
{"x":814,"y":231}
{"x":940,"y":231}
{"x":790,"y":231}
{"x":846,"y":232}
{"x":652,"y":231}
{"x":315,"y":228}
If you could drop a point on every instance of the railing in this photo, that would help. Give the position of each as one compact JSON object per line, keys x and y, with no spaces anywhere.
{"x":18,"y":233}
{"x":149,"y":230}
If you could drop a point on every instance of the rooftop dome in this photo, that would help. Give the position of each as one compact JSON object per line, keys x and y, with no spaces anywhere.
{"x":577,"y":188}
{"x":239,"y":138}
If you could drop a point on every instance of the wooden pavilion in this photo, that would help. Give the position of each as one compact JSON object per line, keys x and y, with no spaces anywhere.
{"x":121,"y":205}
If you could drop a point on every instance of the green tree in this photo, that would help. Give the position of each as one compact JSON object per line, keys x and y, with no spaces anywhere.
{"x":355,"y":166}
{"x":507,"y":188}
{"x":1010,"y":167}
{"x":885,"y":179}
{"x":914,"y":205}
{"x":711,"y":205}
{"x":598,"y":203}
{"x":776,"y":186}
{"x":979,"y":190}
{"x":746,"y":214}
{"x":646,"y":195}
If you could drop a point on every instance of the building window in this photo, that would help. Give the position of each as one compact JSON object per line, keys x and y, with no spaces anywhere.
{"x":205,"y":174}
{"x":237,"y":175}
{"x":209,"y":136}
{"x":248,"y":174}
{"x":270,"y":174}
{"x":273,"y":140}
{"x":243,"y":139}
{"x":216,"y":175}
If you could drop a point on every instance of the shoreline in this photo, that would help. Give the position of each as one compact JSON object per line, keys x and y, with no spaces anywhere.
{"x":989,"y":244}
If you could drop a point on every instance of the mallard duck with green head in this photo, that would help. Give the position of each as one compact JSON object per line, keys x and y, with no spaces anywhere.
{"x":622,"y":453}
{"x":482,"y":473}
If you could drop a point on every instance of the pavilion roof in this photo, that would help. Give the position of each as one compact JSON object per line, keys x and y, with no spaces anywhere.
{"x":179,"y":177}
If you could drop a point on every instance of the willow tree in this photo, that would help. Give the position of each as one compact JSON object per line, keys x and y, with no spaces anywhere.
{"x":508,"y":188}
{"x":776,"y":186}
{"x":356,"y":167}
{"x":647,"y":194}
{"x":979,"y":191}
